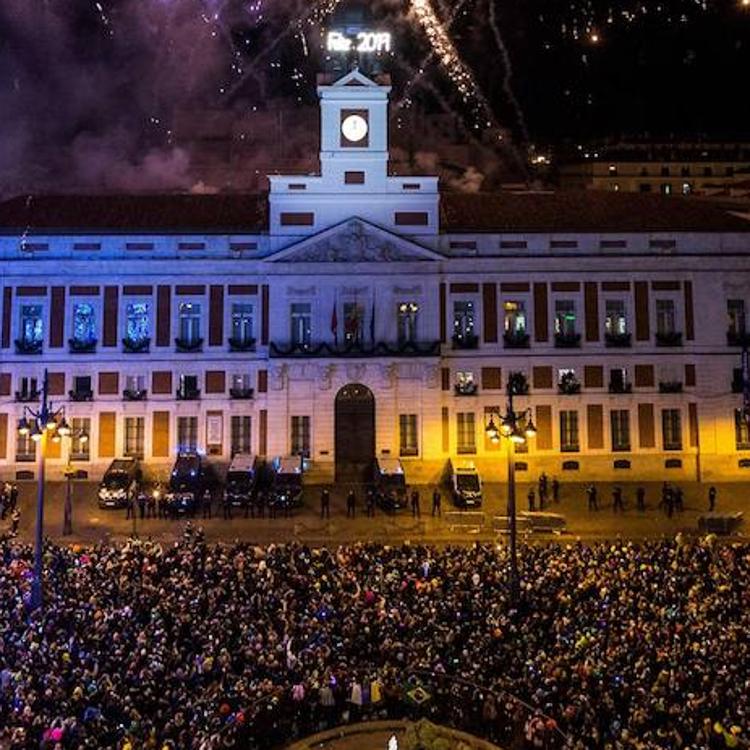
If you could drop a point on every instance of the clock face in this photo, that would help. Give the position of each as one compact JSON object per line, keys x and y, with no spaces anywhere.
{"x":354,"y":128}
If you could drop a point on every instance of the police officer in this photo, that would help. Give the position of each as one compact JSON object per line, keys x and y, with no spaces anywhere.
{"x":436,"y":498}
{"x":325,"y":503}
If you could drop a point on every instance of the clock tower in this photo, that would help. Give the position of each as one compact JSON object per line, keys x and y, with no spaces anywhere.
{"x":354,"y":179}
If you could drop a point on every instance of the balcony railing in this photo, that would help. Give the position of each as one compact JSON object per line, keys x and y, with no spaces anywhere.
{"x":241,"y":345}
{"x":619,"y":387}
{"x":465,"y":341}
{"x":188,"y":394}
{"x":188,"y":345}
{"x":670,"y":386}
{"x":26,"y":397}
{"x":81,"y":394}
{"x":569,"y":386}
{"x":738,"y":338}
{"x":617,"y":340}
{"x":241,"y":393}
{"x":668,"y":338}
{"x":138,"y":394}
{"x":28,"y":347}
{"x":567,"y":340}
{"x":79,"y":346}
{"x":516,"y":340}
{"x":465,"y":389}
{"x":136,"y":346}
{"x":380,"y":349}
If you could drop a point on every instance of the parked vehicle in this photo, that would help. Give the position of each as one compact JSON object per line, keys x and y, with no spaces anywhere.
{"x":466,"y":484}
{"x":286,"y":482}
{"x":390,"y":483}
{"x":119,"y":483}
{"x":186,"y":482}
{"x":242,"y":479}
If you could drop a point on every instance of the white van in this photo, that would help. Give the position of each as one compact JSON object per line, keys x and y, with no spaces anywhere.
{"x":466,"y":484}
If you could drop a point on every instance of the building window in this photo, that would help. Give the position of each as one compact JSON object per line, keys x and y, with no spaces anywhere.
{"x":665,"y":317}
{"x":190,"y":322}
{"x":671,"y":429}
{"x":620,"y":426}
{"x":301,"y":323}
{"x":665,"y":171}
{"x":565,"y":317}
{"x":615,"y":320}
{"x":466,"y":432}
{"x":25,"y":448}
{"x":736,"y":316}
{"x":301,"y":436}
{"x":82,"y":388}
{"x":28,"y":389}
{"x":135,"y":430}
{"x":666,"y":189}
{"x":465,"y":383}
{"x":187,"y":434}
{"x":354,"y":319}
{"x":32,"y":325}
{"x":135,"y":383}
{"x":463,"y":321}
{"x":80,"y":439}
{"x":137,"y":322}
{"x":708,"y":171}
{"x":741,"y":431}
{"x":407,"y":444}
{"x":84,"y":327}
{"x":407,"y":322}
{"x":242,"y":381}
{"x":240,"y":437}
{"x":613,"y":170}
{"x":618,"y":380}
{"x":687,"y":188}
{"x":569,"y":438}
{"x":188,"y":387}
{"x":242,"y":323}
{"x":515,"y":323}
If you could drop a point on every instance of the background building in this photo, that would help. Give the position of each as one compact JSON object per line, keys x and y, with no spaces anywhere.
{"x":353,"y":313}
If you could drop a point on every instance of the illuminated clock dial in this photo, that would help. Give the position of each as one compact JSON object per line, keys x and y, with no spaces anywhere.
{"x":354,"y":128}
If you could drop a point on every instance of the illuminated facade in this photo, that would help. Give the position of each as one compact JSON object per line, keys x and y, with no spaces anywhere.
{"x":355,"y":314}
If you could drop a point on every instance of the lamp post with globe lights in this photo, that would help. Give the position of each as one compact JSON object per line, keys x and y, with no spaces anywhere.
{"x":517,"y":428}
{"x":42,"y":425}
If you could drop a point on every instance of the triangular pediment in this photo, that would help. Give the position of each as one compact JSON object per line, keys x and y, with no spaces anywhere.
{"x":355,"y":78}
{"x":354,"y":241}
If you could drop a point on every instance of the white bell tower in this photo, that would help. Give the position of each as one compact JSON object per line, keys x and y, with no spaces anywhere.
{"x":354,"y":179}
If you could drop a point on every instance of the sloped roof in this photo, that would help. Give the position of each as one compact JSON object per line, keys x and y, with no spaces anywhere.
{"x":582,"y":211}
{"x":539,"y":212}
{"x":208,"y":214}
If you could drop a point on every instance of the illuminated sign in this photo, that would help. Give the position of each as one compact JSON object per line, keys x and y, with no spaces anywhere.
{"x":363,"y":41}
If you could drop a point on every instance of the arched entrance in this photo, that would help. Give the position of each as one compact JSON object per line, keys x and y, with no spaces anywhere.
{"x":355,"y":433}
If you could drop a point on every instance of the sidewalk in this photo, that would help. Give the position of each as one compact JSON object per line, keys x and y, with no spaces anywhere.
{"x":92,"y":524}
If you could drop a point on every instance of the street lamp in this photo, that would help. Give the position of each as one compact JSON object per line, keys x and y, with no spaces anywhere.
{"x":517,"y":427}
{"x":43,"y":424}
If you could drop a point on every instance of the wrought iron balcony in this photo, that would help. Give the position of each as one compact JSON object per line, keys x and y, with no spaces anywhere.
{"x":188,"y":345}
{"x":518,"y":383}
{"x":188,"y":394}
{"x":466,"y":389}
{"x":738,"y":338}
{"x":241,"y":345}
{"x":617,"y":340}
{"x":81,"y":394}
{"x":354,"y":350}
{"x":140,"y":394}
{"x":516,"y":340}
{"x":668,"y":338}
{"x":465,"y":341}
{"x":80,"y":346}
{"x":242,"y":393}
{"x":670,"y":386}
{"x":136,"y":346}
{"x":26,"y":397}
{"x":569,"y":385}
{"x":567,"y":340}
{"x":620,"y":387}
{"x":23,"y":346}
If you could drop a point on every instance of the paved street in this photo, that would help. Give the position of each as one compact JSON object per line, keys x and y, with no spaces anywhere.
{"x":92,"y":524}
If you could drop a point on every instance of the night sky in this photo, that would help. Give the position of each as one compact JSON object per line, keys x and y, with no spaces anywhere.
{"x":90,"y":91}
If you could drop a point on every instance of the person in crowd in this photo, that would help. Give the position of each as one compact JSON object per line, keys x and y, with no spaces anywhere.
{"x":555,"y":490}
{"x":15,"y":520}
{"x":531,"y":498}
{"x":617,"y":502}
{"x":226,"y":507}
{"x":712,"y":498}
{"x":130,"y":509}
{"x":591,"y":496}
{"x":206,"y":502}
{"x":325,"y":503}
{"x":370,"y":502}
{"x":623,"y":645}
{"x":141,"y":500}
{"x":436,"y":502}
{"x":543,"y":486}
{"x":351,"y":503}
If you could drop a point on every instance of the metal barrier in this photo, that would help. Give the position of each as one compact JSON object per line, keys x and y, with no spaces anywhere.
{"x":469,"y":521}
{"x":720,"y":523}
{"x":541,"y":522}
{"x":501,"y":525}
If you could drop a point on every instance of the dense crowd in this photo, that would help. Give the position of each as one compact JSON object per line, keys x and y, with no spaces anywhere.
{"x":622,"y":645}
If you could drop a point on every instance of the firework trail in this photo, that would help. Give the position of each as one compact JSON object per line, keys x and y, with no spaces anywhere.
{"x":507,"y":71}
